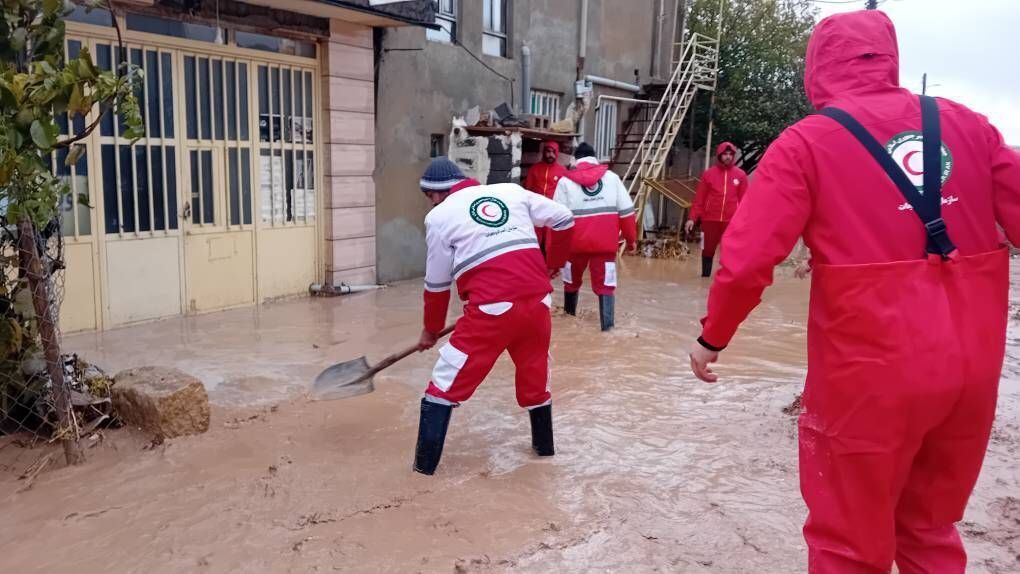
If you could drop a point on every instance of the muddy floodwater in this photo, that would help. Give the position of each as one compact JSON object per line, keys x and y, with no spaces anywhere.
{"x":654,"y":471}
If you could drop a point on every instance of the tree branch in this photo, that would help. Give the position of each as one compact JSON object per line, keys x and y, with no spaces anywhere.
{"x":120,"y":84}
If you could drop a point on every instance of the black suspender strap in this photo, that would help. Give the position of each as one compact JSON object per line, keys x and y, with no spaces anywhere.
{"x":927,"y":204}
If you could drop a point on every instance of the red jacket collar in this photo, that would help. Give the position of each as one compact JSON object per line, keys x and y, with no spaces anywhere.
{"x":464,"y":185}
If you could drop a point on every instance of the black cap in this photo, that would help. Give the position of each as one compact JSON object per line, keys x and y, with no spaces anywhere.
{"x":584,"y":150}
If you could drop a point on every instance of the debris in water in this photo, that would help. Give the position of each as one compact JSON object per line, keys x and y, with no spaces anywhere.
{"x":794,"y":409}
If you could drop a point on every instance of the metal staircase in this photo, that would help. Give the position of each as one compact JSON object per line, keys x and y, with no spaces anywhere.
{"x":697,"y":68}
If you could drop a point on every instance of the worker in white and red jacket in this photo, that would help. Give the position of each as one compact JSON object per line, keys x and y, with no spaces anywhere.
{"x":603,"y":211}
{"x":483,"y":238}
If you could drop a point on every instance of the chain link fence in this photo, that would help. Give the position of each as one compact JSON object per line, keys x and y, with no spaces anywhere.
{"x":31,"y":404}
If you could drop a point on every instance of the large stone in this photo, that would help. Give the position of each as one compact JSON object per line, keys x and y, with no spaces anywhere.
{"x":163,"y":401}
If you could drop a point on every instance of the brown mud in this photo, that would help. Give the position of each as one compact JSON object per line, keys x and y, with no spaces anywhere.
{"x":654,"y":471}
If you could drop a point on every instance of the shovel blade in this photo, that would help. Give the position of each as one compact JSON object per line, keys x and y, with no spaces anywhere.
{"x":343,"y":380}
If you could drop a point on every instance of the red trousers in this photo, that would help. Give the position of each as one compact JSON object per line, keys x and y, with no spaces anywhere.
{"x":713,"y":232}
{"x":603,"y":272}
{"x":904,"y":361}
{"x":522,"y":327}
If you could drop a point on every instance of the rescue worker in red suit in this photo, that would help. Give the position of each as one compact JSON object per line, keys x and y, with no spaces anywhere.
{"x":720,"y":190}
{"x":543,"y":177}
{"x":603,"y":211}
{"x":483,"y":238}
{"x":898,"y":198}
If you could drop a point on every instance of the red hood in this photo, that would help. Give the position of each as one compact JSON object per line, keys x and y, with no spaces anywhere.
{"x":587,"y":174}
{"x":851,"y":53}
{"x":555,"y":146}
{"x":725,"y":147}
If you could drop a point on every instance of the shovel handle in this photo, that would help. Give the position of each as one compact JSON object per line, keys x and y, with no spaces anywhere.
{"x":389,"y":361}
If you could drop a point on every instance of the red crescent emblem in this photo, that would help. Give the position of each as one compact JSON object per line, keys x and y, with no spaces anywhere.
{"x":906,"y":163}
{"x":485,"y":211}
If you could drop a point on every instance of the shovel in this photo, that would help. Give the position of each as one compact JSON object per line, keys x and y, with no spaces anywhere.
{"x":353,"y":378}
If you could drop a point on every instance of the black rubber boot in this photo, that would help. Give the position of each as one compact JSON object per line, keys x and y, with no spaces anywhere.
{"x":435,"y":419}
{"x":607,"y":308}
{"x":706,"y":266}
{"x":570,"y":303}
{"x":542,"y":430}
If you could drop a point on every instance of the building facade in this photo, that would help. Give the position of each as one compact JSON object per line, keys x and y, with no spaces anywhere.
{"x":255,"y":167}
{"x":473,"y":58}
{"x":284,"y":138}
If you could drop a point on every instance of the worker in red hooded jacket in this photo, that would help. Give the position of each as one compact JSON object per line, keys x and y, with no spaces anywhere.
{"x":899,"y":199}
{"x":720,"y":190}
{"x":543,"y":177}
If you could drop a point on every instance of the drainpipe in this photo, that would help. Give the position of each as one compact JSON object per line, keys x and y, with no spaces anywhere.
{"x":341,"y":289}
{"x":598,"y":102}
{"x":582,"y":50}
{"x":657,"y":36}
{"x":525,"y":79}
{"x":599,"y":80}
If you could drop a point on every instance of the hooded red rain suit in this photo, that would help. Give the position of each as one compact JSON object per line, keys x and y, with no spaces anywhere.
{"x":542,"y":179}
{"x":904,"y":351}
{"x":719,"y":193}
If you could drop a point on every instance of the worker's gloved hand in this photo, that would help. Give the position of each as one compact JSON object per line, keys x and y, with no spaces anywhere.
{"x":689,"y":226}
{"x":553,"y":273}
{"x":701,"y":358}
{"x":426,"y":341}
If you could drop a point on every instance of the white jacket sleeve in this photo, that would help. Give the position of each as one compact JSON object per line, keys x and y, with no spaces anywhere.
{"x":548,"y":213}
{"x":439,"y":259}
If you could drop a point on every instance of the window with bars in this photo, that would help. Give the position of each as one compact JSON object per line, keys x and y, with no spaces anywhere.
{"x":75,"y":215}
{"x":545,"y":104}
{"x":605,"y":130}
{"x":217,"y":116}
{"x":140,"y":181}
{"x":446,"y":19}
{"x":494,"y":16}
{"x":286,"y":156}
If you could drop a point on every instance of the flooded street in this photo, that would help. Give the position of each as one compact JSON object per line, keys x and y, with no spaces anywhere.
{"x":654,"y":472}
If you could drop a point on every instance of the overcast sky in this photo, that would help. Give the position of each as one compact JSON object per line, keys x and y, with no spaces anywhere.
{"x":969,"y":48}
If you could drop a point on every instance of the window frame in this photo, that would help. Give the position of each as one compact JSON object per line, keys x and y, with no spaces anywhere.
{"x":606,"y":129}
{"x":551,"y":100}
{"x":503,"y":36}
{"x":449,"y":17}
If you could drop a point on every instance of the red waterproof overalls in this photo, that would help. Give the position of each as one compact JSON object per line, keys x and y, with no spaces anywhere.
{"x":887,"y":467}
{"x":904,"y":352}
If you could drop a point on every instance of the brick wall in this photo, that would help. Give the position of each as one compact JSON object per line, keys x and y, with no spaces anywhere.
{"x":349,"y":145}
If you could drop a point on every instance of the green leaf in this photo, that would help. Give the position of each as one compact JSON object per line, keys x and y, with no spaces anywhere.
{"x":134,"y":133}
{"x":52,"y":7}
{"x":24,"y":118}
{"x":60,"y":104}
{"x":18,"y":39}
{"x":16,"y":138}
{"x":41,"y":136}
{"x":86,"y":68}
{"x":77,"y":104}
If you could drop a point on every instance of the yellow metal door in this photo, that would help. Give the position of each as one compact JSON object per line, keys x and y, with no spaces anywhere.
{"x":219,"y":242}
{"x":138,"y":207}
{"x":287,"y":206}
